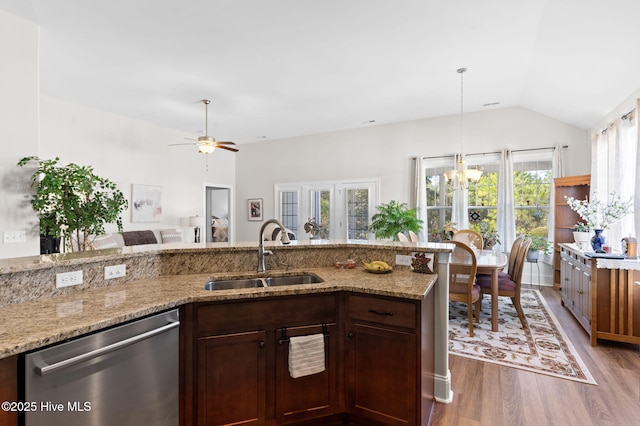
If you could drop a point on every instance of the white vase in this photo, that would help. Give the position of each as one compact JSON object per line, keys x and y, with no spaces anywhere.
{"x":583,"y":240}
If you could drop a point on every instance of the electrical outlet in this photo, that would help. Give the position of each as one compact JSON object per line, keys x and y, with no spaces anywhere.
{"x":14,"y":237}
{"x":67,"y":279}
{"x":403,"y":260}
{"x":115,"y":271}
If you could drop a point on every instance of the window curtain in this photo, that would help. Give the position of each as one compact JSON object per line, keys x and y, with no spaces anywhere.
{"x":460,"y":204}
{"x":614,"y":161}
{"x":506,"y":219}
{"x":557,"y":170}
{"x":420,"y":197}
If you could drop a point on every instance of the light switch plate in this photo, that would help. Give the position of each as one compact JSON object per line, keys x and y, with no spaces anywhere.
{"x":67,"y":279}
{"x":14,"y":237}
{"x":403,"y":260}
{"x":115,"y":271}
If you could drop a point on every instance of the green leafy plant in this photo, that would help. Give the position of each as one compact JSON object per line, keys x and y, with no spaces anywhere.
{"x":73,"y":201}
{"x":393,"y":218}
{"x":490,"y":235}
{"x":580,"y":227}
{"x":539,"y":243}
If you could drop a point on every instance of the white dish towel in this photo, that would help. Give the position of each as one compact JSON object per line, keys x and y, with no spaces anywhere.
{"x":306,"y":355}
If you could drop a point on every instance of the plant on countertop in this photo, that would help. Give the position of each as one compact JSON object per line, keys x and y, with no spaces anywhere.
{"x":312,"y":227}
{"x":73,"y":201}
{"x":393,"y":218}
{"x":599,"y":215}
{"x":447,"y":231}
{"x":580,"y":227}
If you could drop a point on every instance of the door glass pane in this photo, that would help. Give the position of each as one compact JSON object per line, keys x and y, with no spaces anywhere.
{"x":357,"y":214}
{"x":289,"y":209}
{"x":320,"y":207}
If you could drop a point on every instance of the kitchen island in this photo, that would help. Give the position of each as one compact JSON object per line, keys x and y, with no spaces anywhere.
{"x":176,"y":279}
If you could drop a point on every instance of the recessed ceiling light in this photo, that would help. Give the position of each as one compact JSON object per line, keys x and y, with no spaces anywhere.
{"x":491,"y":104}
{"x":368,"y":121}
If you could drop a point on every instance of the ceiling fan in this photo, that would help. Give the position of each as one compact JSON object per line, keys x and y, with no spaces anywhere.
{"x":207,"y":144}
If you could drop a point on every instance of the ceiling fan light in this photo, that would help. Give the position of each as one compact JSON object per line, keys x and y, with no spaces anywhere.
{"x":206,"y":148}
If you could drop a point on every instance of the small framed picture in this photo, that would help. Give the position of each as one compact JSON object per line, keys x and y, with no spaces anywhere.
{"x":255,"y":208}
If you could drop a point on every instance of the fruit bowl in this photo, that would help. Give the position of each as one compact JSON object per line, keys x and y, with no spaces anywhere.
{"x":377,"y":267}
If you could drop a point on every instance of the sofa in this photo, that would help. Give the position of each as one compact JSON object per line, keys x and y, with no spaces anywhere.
{"x":135,"y":238}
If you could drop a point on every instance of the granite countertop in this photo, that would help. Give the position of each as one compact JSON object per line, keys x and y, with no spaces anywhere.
{"x":31,"y":325}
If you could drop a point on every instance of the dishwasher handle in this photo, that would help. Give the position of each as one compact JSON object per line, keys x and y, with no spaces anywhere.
{"x":47,"y":369}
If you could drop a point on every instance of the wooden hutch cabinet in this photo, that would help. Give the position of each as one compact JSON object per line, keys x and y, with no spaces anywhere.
{"x":565,"y":218}
{"x":602,"y":295}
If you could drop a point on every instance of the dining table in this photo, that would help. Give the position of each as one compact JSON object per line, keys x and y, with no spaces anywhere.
{"x":491,"y":262}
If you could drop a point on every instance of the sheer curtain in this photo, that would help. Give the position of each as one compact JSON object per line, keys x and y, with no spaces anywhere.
{"x":460,"y":203}
{"x":614,"y":162}
{"x":506,"y":218}
{"x":557,"y":170}
{"x":420,"y":197}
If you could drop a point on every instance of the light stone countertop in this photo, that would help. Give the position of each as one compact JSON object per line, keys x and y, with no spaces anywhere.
{"x":33,"y":324}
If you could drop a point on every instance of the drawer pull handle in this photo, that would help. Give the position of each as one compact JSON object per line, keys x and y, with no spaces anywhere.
{"x":261,"y":345}
{"x":350,"y":335}
{"x":377,"y":312}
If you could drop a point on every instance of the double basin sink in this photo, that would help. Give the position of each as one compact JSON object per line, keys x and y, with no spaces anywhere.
{"x":240,"y":283}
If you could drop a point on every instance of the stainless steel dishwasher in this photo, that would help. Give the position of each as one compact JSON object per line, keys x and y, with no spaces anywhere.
{"x":126,"y":375}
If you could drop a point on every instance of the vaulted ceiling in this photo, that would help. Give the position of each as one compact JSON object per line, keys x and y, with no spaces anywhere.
{"x":282,"y":68}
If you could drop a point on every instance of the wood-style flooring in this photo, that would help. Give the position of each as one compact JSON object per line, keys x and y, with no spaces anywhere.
{"x":489,"y":394}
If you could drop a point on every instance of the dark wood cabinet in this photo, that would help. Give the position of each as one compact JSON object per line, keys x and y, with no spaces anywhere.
{"x":564,"y":218}
{"x":385,"y":361}
{"x":240,"y":373}
{"x":231,"y":379}
{"x":8,"y":389}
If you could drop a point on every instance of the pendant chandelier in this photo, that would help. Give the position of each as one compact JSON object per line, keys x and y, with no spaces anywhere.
{"x":461,"y":176}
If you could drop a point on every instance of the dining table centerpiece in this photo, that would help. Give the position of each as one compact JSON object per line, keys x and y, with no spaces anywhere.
{"x":599,"y":215}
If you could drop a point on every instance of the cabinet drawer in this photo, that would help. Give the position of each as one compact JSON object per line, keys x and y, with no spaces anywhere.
{"x":382,"y":311}
{"x":264,"y":314}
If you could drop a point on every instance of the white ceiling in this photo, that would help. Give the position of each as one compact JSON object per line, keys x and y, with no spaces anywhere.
{"x":282,"y":68}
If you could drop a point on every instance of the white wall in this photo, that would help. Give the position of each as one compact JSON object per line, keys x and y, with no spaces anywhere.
{"x":129,"y":151}
{"x":19,"y":91}
{"x":386,"y":151}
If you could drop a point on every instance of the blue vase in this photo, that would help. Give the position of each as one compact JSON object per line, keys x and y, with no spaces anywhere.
{"x":597,"y":240}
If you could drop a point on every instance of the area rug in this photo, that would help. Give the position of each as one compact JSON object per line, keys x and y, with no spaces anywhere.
{"x":542,"y":347}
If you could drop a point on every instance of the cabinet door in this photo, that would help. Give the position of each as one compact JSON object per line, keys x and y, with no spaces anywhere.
{"x":231,"y":379}
{"x":381,"y":374}
{"x":585,"y":296}
{"x":309,"y":396}
{"x":565,"y":279}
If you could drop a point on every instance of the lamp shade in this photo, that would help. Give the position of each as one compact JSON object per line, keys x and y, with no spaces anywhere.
{"x":194,"y":221}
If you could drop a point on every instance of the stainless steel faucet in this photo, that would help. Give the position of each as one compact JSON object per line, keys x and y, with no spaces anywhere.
{"x":285,"y":240}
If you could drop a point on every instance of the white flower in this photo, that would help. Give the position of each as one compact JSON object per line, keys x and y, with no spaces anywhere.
{"x":599,"y":215}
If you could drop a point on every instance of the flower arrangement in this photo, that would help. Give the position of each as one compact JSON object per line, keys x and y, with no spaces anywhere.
{"x":490,"y":236}
{"x":599,"y":215}
{"x":580,"y":227}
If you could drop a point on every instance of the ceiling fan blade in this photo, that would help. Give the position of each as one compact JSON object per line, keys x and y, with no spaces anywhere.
{"x":226,"y":142}
{"x":190,"y":139}
{"x":227,"y":148}
{"x":178,"y":144}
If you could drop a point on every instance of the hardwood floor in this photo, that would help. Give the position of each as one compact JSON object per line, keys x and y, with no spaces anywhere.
{"x":489,"y":394}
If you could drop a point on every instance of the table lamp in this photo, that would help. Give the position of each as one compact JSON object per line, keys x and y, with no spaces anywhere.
{"x":195,"y":222}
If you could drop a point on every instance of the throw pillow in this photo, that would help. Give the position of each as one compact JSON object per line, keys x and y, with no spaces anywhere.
{"x":171,"y":236}
{"x":104,"y":242}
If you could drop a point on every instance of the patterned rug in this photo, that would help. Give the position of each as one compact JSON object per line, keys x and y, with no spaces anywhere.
{"x":542,"y":348}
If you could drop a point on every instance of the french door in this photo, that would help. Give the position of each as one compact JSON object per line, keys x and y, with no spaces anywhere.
{"x":342,"y":210}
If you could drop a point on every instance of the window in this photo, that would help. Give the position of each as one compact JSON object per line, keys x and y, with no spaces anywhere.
{"x":532,"y":177}
{"x":532,"y":183}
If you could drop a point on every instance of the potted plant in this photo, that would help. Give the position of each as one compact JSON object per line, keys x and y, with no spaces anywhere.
{"x":490,"y":236}
{"x":581,"y":235}
{"x":393,"y":218}
{"x":599,"y":215}
{"x":538,"y":244}
{"x":72,"y":201}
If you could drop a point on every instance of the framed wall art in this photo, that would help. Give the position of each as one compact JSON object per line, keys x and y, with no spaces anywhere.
{"x":146,"y":203}
{"x":255,"y":208}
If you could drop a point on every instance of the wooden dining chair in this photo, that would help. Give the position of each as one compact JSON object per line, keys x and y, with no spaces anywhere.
{"x":462,"y":280}
{"x":513,"y":254}
{"x":469,"y":237}
{"x":509,"y":285}
{"x":402,"y":237}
